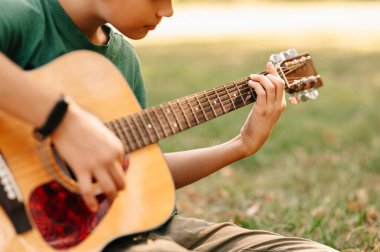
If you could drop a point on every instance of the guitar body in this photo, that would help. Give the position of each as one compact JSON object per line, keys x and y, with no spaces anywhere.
{"x":94,"y":83}
{"x":58,"y":217}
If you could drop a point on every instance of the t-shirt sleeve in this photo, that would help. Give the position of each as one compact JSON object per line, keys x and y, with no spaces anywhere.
{"x":18,"y":20}
{"x":139,"y":86}
{"x":132,"y":70}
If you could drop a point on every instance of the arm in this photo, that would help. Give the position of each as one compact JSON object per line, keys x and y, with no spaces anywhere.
{"x":90,"y":149}
{"x":189,"y":166}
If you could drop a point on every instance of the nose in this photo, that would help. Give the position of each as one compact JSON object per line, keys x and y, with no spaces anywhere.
{"x":166,"y":9}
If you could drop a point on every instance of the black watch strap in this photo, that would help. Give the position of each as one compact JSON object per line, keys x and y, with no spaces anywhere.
{"x":54,"y":119}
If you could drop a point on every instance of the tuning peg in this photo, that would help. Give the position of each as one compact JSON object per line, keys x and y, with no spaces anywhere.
{"x":275,"y":59}
{"x":284,"y":56}
{"x":292,"y":52}
{"x":312,"y":94}
{"x":303,"y":96}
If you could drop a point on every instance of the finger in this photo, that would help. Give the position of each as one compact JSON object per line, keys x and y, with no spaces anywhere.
{"x":106,"y":183}
{"x":126,"y":162}
{"x":277,"y":81}
{"x":279,"y":86}
{"x":271,"y":69}
{"x":117,"y":174}
{"x":261,"y":99}
{"x":85,"y":187}
{"x":267,"y":85}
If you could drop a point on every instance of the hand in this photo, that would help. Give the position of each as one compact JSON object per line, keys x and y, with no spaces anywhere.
{"x":269,"y":105}
{"x":91,"y":151}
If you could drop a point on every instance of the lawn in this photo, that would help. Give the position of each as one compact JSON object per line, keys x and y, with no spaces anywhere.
{"x":318,"y":176}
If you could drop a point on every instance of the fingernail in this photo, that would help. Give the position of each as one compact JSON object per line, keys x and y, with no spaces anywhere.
{"x":126,"y":162}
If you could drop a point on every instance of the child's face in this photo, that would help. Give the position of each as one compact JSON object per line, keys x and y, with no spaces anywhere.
{"x":135,"y":18}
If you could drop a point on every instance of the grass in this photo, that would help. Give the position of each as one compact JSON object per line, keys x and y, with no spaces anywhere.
{"x":318,"y":176}
{"x":263,"y":1}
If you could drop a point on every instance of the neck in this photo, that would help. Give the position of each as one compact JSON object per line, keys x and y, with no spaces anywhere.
{"x":151,"y":125}
{"x":86,"y":18}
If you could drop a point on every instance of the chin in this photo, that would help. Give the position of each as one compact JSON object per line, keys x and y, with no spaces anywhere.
{"x":137,"y":36}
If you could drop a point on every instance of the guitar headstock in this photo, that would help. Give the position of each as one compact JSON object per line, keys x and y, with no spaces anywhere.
{"x":298,"y":71}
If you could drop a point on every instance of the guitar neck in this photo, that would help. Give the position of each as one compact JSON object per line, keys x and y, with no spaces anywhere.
{"x":153,"y":124}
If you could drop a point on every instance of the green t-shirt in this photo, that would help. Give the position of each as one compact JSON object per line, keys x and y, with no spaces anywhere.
{"x":34,"y":32}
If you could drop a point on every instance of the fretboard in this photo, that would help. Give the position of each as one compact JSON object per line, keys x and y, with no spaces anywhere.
{"x":153,"y":124}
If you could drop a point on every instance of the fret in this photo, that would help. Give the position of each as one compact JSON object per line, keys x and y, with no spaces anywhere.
{"x":124,"y":130}
{"x":200,"y":105}
{"x":250,"y":95}
{"x":184,"y":114}
{"x":212,"y":108}
{"x":133,"y":133}
{"x":139,"y":130}
{"x":134,"y":129}
{"x":192,"y":110}
{"x":147,"y":127}
{"x":167,"y":119}
{"x":151,"y":124}
{"x":220,"y":101}
{"x":237,"y":97}
{"x":114,"y":127}
{"x":178,"y":122}
{"x":239,"y":92}
{"x":253,"y":93}
{"x":128,"y":132}
{"x":124,"y":136}
{"x":160,"y":122}
{"x":229,"y":96}
{"x":214,"y":102}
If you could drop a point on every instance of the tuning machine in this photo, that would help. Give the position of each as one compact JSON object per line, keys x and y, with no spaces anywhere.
{"x":303,"y":96}
{"x":276,"y":59}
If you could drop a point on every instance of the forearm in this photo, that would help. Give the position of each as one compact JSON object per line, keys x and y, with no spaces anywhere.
{"x":189,"y":166}
{"x":22,"y":96}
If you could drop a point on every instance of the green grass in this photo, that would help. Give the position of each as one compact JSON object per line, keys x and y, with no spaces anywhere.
{"x":318,"y":176}
{"x":262,"y":1}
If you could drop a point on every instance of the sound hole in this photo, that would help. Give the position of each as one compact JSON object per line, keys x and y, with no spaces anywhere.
{"x":62,"y":164}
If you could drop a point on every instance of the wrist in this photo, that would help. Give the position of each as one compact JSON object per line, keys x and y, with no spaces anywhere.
{"x":70,"y":122}
{"x":247,"y":145}
{"x":53,"y":120}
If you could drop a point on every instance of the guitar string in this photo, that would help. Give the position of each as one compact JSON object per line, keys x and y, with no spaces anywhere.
{"x":182,"y":110}
{"x":179,"y":104}
{"x":214,"y":93}
{"x":236,"y":85}
{"x":186,"y":102}
{"x":193,"y":119}
{"x":240,"y":103}
{"x":133,"y":126}
{"x":220,"y":106}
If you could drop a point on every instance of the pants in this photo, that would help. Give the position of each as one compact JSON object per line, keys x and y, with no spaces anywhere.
{"x":188,"y":234}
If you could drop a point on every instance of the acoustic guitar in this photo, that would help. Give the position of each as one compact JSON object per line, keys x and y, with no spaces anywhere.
{"x":41,"y":209}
